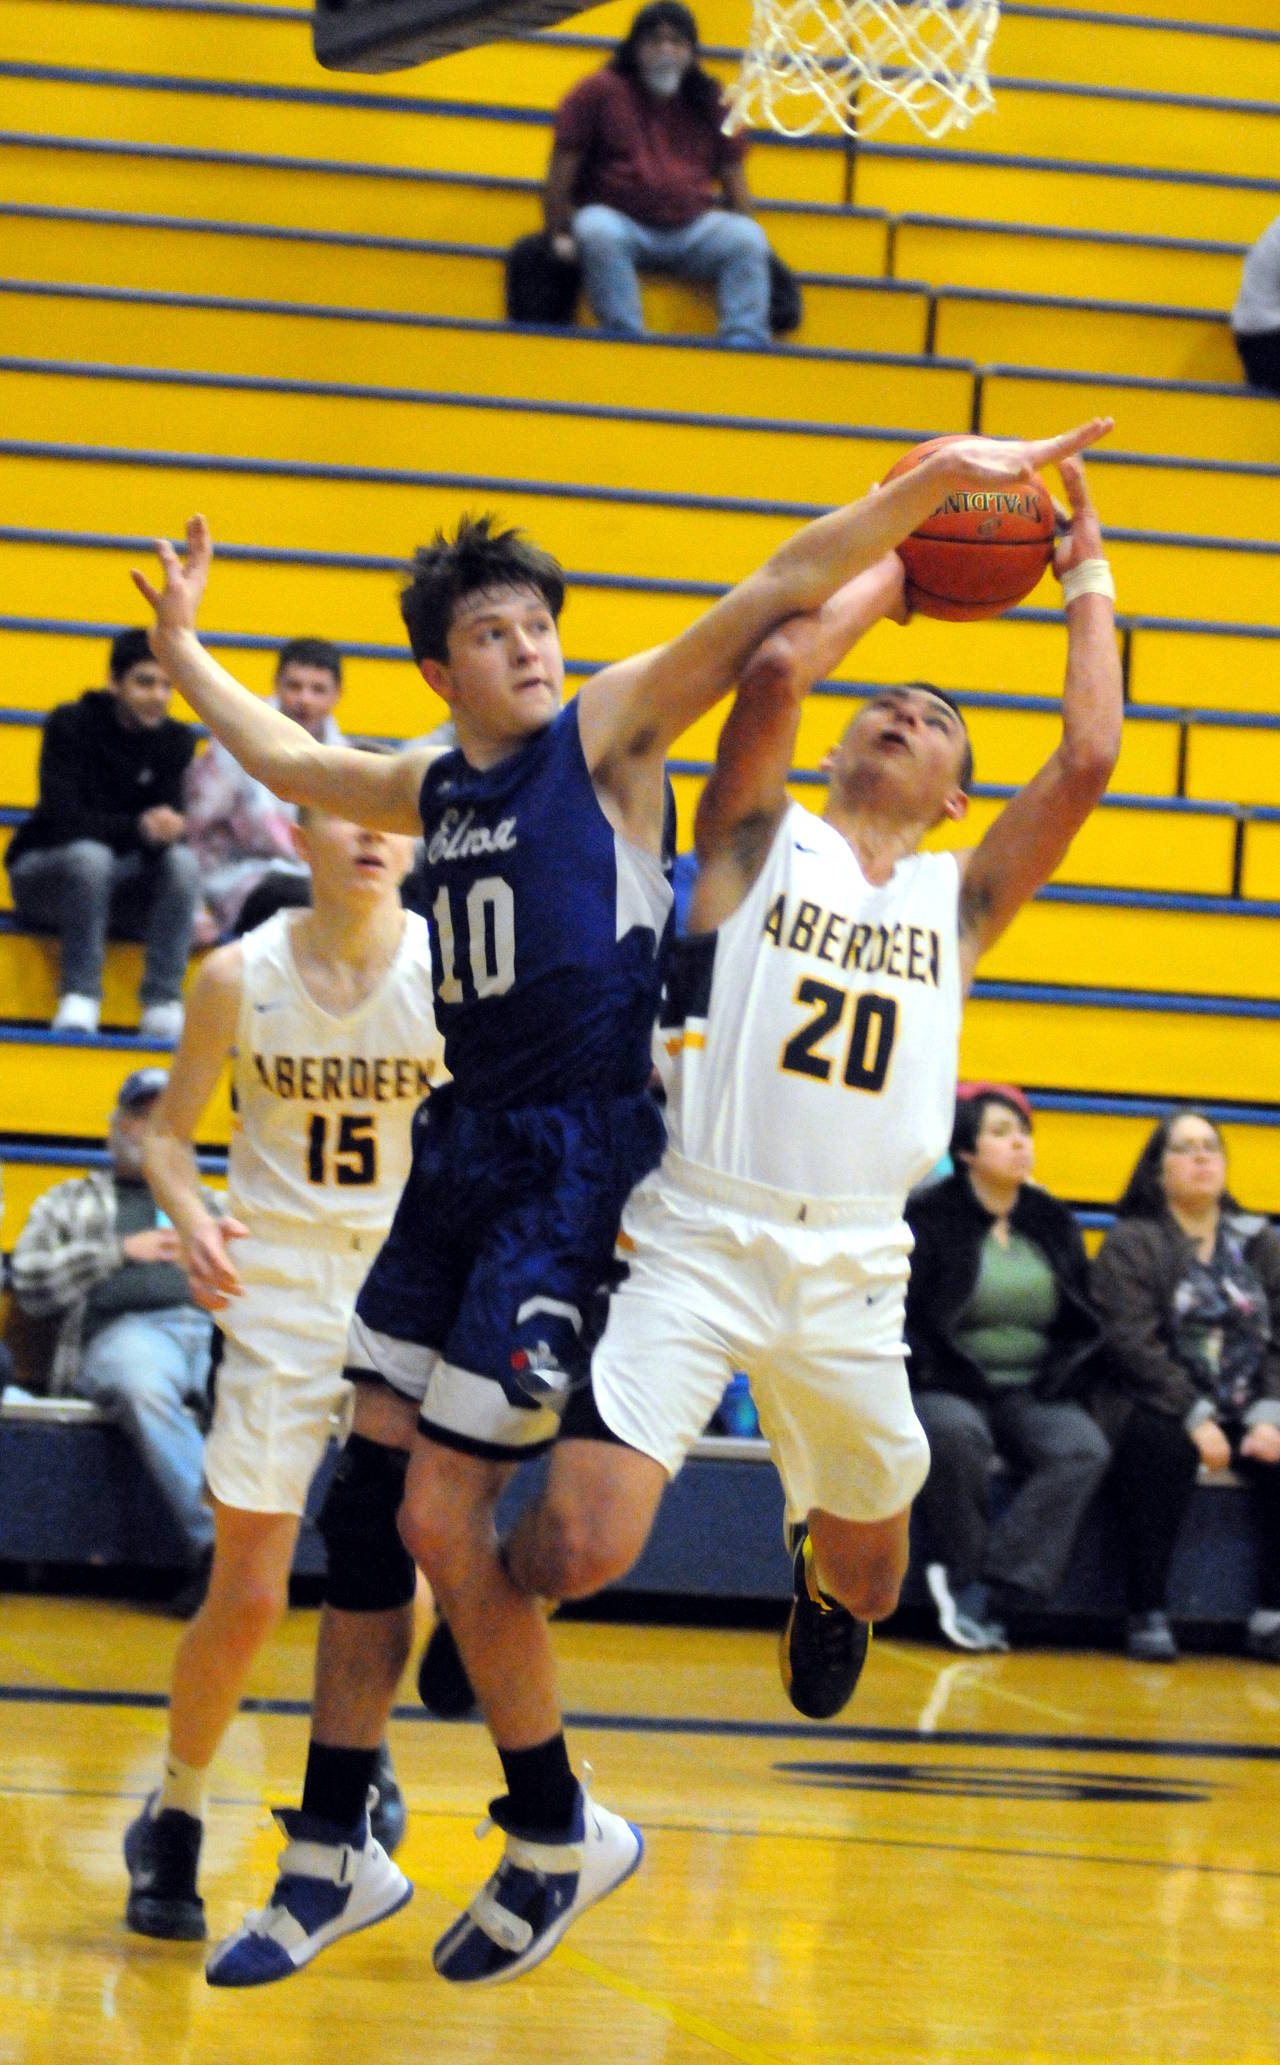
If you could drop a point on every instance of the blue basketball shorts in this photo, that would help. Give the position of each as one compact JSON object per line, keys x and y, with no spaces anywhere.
{"x":485,"y":1301}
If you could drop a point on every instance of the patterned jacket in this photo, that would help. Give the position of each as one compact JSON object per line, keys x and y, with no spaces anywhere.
{"x":69,"y":1245}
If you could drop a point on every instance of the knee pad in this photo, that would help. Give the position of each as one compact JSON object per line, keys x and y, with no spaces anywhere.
{"x":370,"y":1570}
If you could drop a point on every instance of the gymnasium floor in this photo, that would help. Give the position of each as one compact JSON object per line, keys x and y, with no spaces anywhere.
{"x":1048,"y":1858}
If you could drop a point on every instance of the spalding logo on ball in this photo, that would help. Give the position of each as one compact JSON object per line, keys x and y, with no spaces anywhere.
{"x":982,"y":550}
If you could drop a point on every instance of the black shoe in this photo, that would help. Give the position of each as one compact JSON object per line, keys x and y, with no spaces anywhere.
{"x":388,"y":1817}
{"x":443,"y":1685}
{"x":161,"y":1854}
{"x":823,"y":1648}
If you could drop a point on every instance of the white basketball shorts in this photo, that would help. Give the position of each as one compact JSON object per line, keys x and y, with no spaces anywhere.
{"x":279,"y":1392}
{"x":806,"y":1296}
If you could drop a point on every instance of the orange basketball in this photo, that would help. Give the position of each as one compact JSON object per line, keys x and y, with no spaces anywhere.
{"x":982,"y":550}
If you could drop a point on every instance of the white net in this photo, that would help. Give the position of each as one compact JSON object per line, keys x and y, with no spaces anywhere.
{"x":810,"y":63}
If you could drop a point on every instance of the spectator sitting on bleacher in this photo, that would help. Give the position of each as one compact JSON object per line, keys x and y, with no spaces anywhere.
{"x":1188,"y":1286}
{"x":1255,"y":319}
{"x":97,"y":1255}
{"x":242,"y":835}
{"x":1005,"y":1353}
{"x":642,"y":175}
{"x":105,"y":844}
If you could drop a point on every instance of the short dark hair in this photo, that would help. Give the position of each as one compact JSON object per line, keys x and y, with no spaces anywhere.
{"x":697,"y":88}
{"x":476,"y":560}
{"x":128,"y":650}
{"x":310,"y":652}
{"x":1143,"y":1195}
{"x":970,"y":1113}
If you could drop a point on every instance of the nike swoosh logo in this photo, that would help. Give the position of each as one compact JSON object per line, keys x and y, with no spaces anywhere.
{"x":277,"y":1005}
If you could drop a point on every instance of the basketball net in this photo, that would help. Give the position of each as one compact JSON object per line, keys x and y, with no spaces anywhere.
{"x":810,"y":63}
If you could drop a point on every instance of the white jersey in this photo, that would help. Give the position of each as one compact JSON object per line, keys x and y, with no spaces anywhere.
{"x":321,"y":1105}
{"x":811,"y":1043}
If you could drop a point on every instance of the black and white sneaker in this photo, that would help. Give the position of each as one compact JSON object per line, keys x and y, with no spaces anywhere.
{"x":823,"y":1647}
{"x":162,"y":1855}
{"x":541,"y":1885}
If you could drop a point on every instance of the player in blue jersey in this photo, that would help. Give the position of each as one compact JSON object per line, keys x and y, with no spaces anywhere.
{"x":543,"y":879}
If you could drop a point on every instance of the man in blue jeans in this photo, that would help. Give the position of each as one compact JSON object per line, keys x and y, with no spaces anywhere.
{"x":643,"y":177}
{"x":98,"y":1256}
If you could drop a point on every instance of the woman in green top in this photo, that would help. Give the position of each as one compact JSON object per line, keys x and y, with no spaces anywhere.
{"x":1005,"y":1350}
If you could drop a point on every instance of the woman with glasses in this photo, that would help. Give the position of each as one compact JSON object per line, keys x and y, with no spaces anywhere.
{"x":1188,"y":1288}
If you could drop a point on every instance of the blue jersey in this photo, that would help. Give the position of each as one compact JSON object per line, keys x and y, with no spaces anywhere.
{"x":546,"y":930}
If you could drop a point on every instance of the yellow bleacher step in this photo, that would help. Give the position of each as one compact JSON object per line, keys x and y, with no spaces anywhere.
{"x":1119,"y":1050}
{"x":1261,"y":876}
{"x":1084,"y":1154}
{"x":1242,"y":762}
{"x":1018,"y":258}
{"x":596,"y":532}
{"x":1127,"y":846}
{"x":424,"y":137}
{"x":387,"y":428}
{"x":1079,"y":336}
{"x":920,"y":180}
{"x":449,"y":281}
{"x":1201,"y":952}
{"x":1207,"y":670}
{"x":1171,"y":421}
{"x":538,"y":70}
{"x":292,"y":191}
{"x":1122,"y":126}
{"x":577,"y":367}
{"x":71,"y":1084}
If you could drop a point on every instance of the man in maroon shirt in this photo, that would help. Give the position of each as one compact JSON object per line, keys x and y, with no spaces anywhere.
{"x":642,"y":176}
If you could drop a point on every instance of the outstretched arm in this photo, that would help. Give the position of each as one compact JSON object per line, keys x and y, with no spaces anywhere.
{"x":746,"y":792}
{"x":371,"y":789}
{"x":638,"y":717}
{"x":1031,"y":835}
{"x":168,"y":1152}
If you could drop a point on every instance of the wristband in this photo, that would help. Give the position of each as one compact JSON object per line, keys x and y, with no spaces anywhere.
{"x":1092,"y":577}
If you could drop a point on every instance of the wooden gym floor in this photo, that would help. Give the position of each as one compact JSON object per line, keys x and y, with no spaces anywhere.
{"x":1054,"y":1859}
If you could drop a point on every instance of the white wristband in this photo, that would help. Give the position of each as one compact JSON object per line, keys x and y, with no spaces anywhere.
{"x":1091,"y":577}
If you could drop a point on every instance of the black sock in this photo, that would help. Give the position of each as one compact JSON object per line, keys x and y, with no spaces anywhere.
{"x":337,"y":1783}
{"x":541,"y":1788}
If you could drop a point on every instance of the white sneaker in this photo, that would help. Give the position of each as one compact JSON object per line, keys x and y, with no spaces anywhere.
{"x":77,"y":1013}
{"x":962,"y":1630}
{"x":161,"y":1024}
{"x":327,"y":1887}
{"x":539,"y":1888}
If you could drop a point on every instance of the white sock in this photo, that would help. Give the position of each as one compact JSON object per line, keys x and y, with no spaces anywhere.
{"x":182,"y":1787}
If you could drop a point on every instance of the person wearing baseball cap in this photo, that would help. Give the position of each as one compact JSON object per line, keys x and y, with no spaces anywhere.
{"x":99,"y":1257}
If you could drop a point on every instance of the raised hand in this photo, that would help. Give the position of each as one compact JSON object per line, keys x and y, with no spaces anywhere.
{"x":1081,"y":535}
{"x":177,"y":604}
{"x":1000,"y":462}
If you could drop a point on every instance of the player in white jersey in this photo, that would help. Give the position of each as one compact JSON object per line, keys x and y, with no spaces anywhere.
{"x":810,"y":1043}
{"x":328,"y":1020}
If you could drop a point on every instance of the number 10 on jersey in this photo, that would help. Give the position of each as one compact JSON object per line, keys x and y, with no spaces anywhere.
{"x":490,"y":969}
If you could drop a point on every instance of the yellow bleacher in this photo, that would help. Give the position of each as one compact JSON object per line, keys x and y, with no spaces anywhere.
{"x":1020,"y":295}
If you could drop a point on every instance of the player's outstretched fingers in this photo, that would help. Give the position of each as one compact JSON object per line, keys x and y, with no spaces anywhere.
{"x":1051,"y":451}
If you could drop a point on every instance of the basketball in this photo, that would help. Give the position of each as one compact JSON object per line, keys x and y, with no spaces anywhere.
{"x":982,"y":550}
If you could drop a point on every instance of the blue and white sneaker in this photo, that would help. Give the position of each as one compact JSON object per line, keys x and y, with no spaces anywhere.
{"x":332,"y":1882}
{"x":540,"y":1887}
